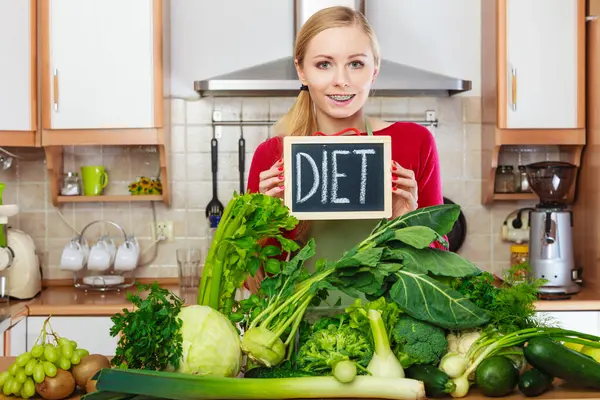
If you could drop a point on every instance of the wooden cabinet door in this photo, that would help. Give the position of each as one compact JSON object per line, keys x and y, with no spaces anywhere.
{"x":18,"y":66}
{"x":101,"y":64}
{"x":542,"y":63}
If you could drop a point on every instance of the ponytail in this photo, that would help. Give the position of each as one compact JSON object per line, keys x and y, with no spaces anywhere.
{"x":300,"y":120}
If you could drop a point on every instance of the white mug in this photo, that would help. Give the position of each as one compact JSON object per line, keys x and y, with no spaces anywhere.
{"x":101,"y":255}
{"x":74,"y":255}
{"x":127,"y":255}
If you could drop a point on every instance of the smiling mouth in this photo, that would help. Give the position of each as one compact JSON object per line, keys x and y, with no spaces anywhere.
{"x":341,"y":97}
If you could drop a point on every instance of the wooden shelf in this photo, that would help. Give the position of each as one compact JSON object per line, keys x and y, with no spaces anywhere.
{"x":19,"y":139}
{"x":107,"y":199}
{"x":514,"y":196}
{"x":105,"y":137}
{"x":537,"y":137}
{"x":55,"y":166}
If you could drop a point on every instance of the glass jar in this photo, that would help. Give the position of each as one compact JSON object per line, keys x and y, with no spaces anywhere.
{"x":505,"y":179}
{"x":519,"y":261}
{"x":523,"y":183}
{"x":71,"y":184}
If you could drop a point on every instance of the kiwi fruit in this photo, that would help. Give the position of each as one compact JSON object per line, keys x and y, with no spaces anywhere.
{"x":88,"y":366}
{"x":90,"y":386}
{"x":61,"y":386}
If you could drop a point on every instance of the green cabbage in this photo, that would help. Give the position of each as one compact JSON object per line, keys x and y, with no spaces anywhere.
{"x":211,"y":344}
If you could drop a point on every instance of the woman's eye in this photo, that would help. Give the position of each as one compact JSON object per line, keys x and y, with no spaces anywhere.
{"x":357,"y":64}
{"x":323,"y":64}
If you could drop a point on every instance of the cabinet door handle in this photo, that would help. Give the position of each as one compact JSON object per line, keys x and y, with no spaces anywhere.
{"x":514,"y":88}
{"x":55,"y":89}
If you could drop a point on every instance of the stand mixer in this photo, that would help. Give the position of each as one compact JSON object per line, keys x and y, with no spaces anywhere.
{"x":20,"y":275}
{"x":550,"y":234}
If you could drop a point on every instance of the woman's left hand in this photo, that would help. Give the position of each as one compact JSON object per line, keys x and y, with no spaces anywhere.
{"x":404,"y":190}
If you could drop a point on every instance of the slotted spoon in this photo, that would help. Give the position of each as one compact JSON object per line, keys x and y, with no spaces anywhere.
{"x":214,"y":207}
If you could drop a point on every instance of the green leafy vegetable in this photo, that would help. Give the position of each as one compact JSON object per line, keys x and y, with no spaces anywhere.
{"x":236,"y":251}
{"x":327,"y":346}
{"x":418,"y":342}
{"x":396,"y":261}
{"x":150,"y":334}
{"x":510,"y":305}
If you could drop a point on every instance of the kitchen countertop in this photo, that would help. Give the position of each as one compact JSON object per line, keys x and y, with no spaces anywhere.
{"x":68,"y":301}
{"x":558,"y":393}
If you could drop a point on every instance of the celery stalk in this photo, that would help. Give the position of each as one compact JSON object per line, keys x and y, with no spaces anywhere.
{"x":177,"y":386}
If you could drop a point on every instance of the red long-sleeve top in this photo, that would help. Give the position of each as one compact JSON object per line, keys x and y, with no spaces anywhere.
{"x":413,"y":147}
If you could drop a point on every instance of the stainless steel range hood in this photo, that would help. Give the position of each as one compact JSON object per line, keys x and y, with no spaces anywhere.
{"x":279,"y":77}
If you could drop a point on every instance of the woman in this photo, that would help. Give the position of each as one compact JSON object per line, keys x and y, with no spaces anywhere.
{"x":337,"y":59}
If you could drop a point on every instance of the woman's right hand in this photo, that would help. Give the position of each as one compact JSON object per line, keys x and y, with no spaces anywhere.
{"x":271,"y":180}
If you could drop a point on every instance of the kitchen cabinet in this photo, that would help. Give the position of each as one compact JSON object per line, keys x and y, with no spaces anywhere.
{"x":15,"y":338}
{"x":533,"y":81}
{"x":101,"y":83}
{"x":90,"y":333}
{"x":581,"y":321}
{"x":100,"y":65}
{"x":18,"y":73}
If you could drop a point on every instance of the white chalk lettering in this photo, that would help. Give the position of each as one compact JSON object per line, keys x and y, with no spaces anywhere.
{"x":334,"y":178}
{"x":363,"y":172}
{"x":324,"y":173}
{"x":315,"y":171}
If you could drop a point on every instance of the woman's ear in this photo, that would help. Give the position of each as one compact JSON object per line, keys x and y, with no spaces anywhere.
{"x":375,"y":73}
{"x":300,"y":72}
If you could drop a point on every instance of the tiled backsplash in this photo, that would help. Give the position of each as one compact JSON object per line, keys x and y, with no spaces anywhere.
{"x":459,"y":143}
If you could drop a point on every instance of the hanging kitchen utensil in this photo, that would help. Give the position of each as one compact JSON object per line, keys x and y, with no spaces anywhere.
{"x":242,"y":158}
{"x":214,"y":207}
{"x":458,"y":233}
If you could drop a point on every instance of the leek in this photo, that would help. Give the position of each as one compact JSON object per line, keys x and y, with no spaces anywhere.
{"x":178,"y":386}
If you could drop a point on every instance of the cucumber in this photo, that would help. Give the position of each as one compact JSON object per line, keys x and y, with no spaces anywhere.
{"x":437,"y":383}
{"x":556,"y":360}
{"x":265,"y":372}
{"x":534,"y":382}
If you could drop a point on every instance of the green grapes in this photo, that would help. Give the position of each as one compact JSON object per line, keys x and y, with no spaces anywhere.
{"x":43,"y":360}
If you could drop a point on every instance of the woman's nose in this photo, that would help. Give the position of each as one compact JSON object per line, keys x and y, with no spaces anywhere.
{"x":341,"y":78}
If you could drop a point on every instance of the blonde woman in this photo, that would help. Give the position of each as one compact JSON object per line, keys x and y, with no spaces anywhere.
{"x":337,"y":59}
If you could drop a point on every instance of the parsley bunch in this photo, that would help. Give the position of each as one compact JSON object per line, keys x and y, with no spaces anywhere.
{"x":150,"y":337}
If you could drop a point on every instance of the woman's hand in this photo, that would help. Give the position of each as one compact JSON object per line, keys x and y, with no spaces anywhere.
{"x":271,"y":180}
{"x":404,"y":190}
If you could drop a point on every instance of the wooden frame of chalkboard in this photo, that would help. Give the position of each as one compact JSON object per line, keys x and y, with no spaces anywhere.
{"x":366,"y":195}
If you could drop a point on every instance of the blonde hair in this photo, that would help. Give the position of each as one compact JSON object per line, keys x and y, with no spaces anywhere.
{"x":301,"y":120}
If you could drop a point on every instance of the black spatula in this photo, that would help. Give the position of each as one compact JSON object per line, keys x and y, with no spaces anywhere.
{"x":214,"y":207}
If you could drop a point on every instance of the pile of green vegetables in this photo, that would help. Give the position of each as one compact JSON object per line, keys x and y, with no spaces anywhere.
{"x":425,"y":322}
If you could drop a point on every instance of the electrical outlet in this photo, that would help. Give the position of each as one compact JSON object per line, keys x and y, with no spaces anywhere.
{"x":163,"y":228}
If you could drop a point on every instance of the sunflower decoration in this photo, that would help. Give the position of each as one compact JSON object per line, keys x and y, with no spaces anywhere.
{"x":145,"y":186}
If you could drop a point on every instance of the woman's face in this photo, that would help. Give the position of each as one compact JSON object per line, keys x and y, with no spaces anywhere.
{"x":338,"y":69}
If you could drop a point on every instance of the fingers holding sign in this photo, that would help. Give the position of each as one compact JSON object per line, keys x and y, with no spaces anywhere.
{"x":271,"y":180}
{"x":404,"y":190}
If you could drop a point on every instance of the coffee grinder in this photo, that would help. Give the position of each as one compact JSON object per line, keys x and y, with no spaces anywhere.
{"x":550,"y":230}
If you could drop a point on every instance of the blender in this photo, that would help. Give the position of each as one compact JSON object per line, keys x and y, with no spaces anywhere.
{"x":550,"y":230}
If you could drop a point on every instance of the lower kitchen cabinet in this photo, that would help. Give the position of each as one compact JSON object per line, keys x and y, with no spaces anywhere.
{"x":90,"y":333}
{"x":581,"y":321}
{"x":15,"y":339}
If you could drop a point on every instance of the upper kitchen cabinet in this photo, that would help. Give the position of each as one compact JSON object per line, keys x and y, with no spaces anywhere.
{"x":102,"y":75}
{"x":533,"y":81}
{"x":18,"y":73}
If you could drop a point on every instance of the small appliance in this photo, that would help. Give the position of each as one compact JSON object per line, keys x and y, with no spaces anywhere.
{"x":515,"y":228}
{"x":551,"y":241}
{"x":20,"y":275}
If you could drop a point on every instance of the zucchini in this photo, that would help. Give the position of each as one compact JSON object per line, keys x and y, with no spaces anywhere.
{"x":437,"y":383}
{"x":265,"y":373}
{"x":534,"y":382}
{"x":556,"y":360}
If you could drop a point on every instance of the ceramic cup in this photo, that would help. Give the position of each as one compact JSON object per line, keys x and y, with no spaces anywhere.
{"x":74,"y":255}
{"x":101,"y":255}
{"x":127,"y":255}
{"x":94,"y":179}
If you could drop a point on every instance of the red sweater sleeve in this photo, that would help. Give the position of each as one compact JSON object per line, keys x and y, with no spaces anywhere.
{"x":266,"y":154}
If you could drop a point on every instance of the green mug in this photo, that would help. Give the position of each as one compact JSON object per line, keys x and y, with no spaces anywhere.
{"x":94,"y":180}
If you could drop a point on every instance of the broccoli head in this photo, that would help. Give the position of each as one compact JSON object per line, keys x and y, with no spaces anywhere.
{"x":329,"y":345}
{"x":418,"y":342}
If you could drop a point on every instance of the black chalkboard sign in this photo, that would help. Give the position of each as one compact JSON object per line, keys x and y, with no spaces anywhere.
{"x":338,"y":177}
